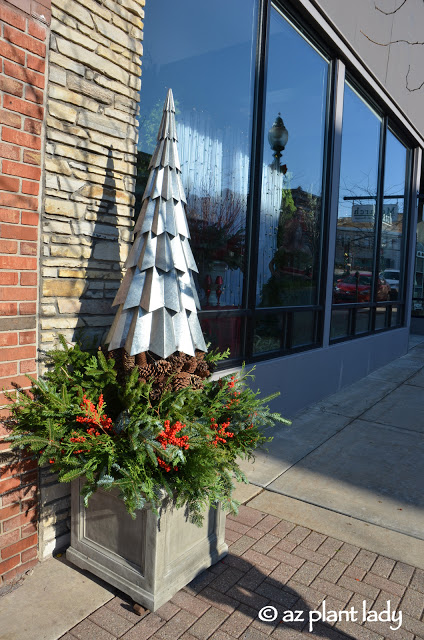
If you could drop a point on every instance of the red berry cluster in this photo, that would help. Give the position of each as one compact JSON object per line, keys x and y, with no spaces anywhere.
{"x":94,"y":418}
{"x":168,"y":435}
{"x":221,"y":433}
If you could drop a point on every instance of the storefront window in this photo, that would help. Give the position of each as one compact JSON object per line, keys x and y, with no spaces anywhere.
{"x":356,"y":223}
{"x":292,"y":172}
{"x":393,"y":224}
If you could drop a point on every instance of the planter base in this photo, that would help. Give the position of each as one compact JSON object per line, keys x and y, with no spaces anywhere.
{"x":149,"y":558}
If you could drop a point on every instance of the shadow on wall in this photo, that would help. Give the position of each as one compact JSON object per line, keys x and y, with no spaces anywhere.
{"x":104,"y":271}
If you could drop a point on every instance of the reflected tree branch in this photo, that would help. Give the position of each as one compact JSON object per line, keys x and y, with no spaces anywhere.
{"x":389,"y":13}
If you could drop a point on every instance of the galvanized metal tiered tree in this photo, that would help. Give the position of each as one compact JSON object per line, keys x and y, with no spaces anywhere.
{"x":157,"y":298}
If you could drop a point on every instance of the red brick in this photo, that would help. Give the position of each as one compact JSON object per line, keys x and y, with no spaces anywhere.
{"x":46,"y":3}
{"x":28,"y":248}
{"x":12,"y":53}
{"x":32,"y":126}
{"x":10,"y":551}
{"x":17,"y":353}
{"x":21,"y":106}
{"x":24,"y":41}
{"x":29,"y":530}
{"x":9,"y":564}
{"x":8,"y":246}
{"x":30,"y":188}
{"x":9,"y":278}
{"x":22,"y":139}
{"x":30,"y":218}
{"x":13,"y":525}
{"x":27,"y":366}
{"x":9,"y":16}
{"x":10,"y":86}
{"x":18,"y":293}
{"x":9,"y":538}
{"x":34,"y":95}
{"x":25,"y":75}
{"x":28,"y":279}
{"x":8,"y":369}
{"x":41,"y":12}
{"x":9,"y":512}
{"x":9,"y":262}
{"x":27,"y":309}
{"x":36,"y":30}
{"x":37,"y":64}
{"x":6,"y":150}
{"x":17,"y":232}
{"x":9,"y":484}
{"x":9,"y":184}
{"x":32,"y":157}
{"x":23,"y":5}
{"x":29,"y":554}
{"x":21,"y":170}
{"x":8,"y":308}
{"x":23,"y":568}
{"x":11,"y":119}
{"x":19,"y":202}
{"x":6,"y":215}
{"x":25,"y":495}
{"x":8,"y":339}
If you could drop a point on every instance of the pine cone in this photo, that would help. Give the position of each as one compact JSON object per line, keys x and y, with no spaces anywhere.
{"x":202,"y":370}
{"x":140,"y":359}
{"x":181,"y":381}
{"x":177,"y":362}
{"x":199,"y":355}
{"x":163,"y":367}
{"x":128,"y":361}
{"x":155,"y":394}
{"x":196,"y":382}
{"x":191,"y":365}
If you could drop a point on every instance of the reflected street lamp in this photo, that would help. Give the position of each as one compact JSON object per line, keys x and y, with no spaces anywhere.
{"x":277,"y":138}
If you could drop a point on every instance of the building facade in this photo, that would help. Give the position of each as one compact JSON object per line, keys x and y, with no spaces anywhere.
{"x":300,"y":129}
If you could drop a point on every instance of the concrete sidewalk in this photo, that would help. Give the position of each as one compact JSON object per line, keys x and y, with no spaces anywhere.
{"x":334,"y":512}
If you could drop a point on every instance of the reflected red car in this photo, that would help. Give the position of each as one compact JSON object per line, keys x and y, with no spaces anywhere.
{"x":356,"y":287}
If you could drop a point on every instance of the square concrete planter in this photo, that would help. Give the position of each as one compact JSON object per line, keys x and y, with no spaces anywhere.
{"x":149,"y":558}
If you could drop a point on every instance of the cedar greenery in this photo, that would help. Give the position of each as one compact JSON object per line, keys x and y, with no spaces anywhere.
{"x":84,"y":422}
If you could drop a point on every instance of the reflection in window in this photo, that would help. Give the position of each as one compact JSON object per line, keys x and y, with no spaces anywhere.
{"x":289,"y":243}
{"x":391,"y":253}
{"x":207,"y":62}
{"x":354,"y":259}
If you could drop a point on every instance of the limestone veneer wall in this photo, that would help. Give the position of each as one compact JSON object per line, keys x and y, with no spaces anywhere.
{"x":93,"y":94}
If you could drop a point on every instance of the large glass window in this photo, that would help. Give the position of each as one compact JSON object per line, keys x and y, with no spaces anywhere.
{"x":289,"y":251}
{"x":368,"y":268}
{"x":204,"y":53}
{"x":292,"y":172}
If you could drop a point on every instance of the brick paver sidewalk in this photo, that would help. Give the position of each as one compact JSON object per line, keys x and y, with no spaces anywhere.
{"x":272,"y":562}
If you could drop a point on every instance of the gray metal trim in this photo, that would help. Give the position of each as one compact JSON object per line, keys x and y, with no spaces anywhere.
{"x":412,"y":232}
{"x":336,"y":153}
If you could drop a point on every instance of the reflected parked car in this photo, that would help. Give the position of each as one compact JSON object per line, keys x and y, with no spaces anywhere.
{"x":356,"y":287}
{"x":392,"y":276}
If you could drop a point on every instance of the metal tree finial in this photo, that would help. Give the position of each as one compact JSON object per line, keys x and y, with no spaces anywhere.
{"x":157,"y":298}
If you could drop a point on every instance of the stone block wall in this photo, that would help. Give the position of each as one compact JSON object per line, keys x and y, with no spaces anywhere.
{"x":23,"y":42}
{"x":91,"y":153}
{"x":93,"y":94}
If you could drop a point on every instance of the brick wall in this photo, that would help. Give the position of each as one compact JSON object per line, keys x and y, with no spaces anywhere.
{"x":23,"y":40}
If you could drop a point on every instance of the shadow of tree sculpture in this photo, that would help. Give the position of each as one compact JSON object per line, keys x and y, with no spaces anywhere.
{"x":103,"y":269}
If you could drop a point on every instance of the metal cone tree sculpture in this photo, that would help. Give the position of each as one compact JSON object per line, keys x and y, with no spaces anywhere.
{"x":157,"y":298}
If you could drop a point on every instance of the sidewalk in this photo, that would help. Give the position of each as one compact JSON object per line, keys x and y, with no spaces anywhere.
{"x":334,"y":513}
